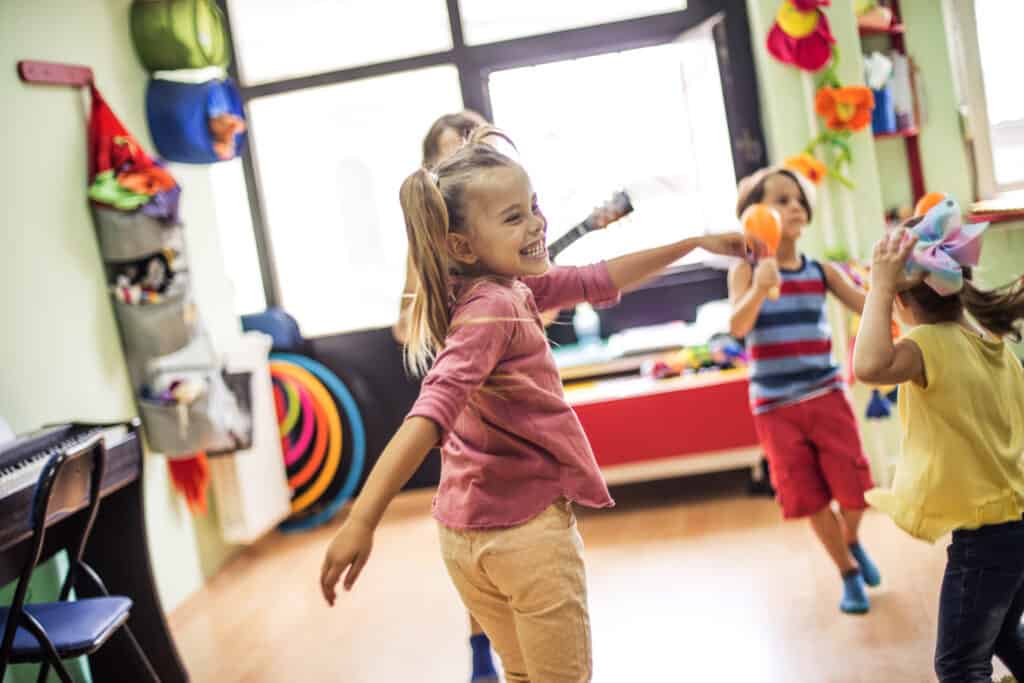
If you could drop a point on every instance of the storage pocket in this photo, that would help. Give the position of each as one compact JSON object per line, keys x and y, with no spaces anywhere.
{"x":178,"y":429}
{"x":156,"y":329}
{"x":217,"y":421}
{"x":132,"y":235}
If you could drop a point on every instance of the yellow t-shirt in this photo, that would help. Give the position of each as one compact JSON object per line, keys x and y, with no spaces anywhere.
{"x":963,"y":437}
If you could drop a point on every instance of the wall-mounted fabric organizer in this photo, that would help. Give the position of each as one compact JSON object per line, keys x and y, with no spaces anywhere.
{"x":195,"y":123}
{"x":142,"y":245}
{"x":179,"y":34}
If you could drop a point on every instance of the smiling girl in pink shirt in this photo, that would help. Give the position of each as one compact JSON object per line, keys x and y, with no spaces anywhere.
{"x":514,"y":456}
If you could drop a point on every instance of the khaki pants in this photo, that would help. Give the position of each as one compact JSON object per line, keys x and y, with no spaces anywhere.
{"x":527,"y":587}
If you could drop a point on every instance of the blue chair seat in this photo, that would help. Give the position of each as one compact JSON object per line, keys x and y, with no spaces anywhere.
{"x":76,"y":628}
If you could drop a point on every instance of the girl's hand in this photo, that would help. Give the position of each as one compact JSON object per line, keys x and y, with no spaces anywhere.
{"x":732,"y":244}
{"x":350,"y":549}
{"x":889,"y":262}
{"x":767,"y":276}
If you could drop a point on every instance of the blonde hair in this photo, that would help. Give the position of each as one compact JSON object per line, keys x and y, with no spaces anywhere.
{"x":434,"y":204}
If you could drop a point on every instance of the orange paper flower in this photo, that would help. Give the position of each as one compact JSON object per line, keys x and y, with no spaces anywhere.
{"x":807,"y":166}
{"x":847,"y":108}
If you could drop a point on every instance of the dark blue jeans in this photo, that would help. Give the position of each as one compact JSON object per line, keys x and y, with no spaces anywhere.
{"x":981,"y":604}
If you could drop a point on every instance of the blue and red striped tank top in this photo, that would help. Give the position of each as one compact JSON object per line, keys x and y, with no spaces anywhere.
{"x":790,"y":347}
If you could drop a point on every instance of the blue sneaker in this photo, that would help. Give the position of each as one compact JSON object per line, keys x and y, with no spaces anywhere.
{"x":868,"y":570}
{"x":855,"y":599}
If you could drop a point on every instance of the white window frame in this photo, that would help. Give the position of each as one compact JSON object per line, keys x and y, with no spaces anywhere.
{"x":962,"y":40}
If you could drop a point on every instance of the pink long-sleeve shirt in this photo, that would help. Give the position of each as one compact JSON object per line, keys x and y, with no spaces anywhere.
{"x":510,"y":444}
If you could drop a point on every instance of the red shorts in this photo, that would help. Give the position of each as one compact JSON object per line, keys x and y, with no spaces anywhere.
{"x":815,"y":455}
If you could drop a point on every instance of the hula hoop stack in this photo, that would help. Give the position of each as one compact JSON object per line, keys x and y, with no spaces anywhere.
{"x":322,"y":433}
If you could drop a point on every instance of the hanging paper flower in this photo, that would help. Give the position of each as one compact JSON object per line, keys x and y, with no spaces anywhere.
{"x":846,"y":108}
{"x":807,"y":166}
{"x":808,"y":5}
{"x":800,"y":35}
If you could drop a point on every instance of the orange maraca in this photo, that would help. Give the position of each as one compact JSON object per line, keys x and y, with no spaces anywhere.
{"x":764,"y":223}
{"x":925,"y":203}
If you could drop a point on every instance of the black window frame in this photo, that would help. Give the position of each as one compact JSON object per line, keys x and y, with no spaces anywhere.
{"x":474,"y":64}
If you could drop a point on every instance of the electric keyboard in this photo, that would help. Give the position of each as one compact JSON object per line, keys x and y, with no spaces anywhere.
{"x":22,"y":460}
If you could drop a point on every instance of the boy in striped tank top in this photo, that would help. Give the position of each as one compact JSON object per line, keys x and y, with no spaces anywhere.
{"x":797,"y":395}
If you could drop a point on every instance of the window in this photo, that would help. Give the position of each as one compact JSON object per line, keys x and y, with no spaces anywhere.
{"x":277,"y":40}
{"x":666,"y":142}
{"x":234,"y":221}
{"x":331,"y":160}
{"x":486,"y":21}
{"x":656,"y":96}
{"x":989,"y":79}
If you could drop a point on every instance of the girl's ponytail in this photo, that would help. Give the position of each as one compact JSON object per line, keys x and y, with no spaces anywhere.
{"x":999,"y":310}
{"x":426,"y":222}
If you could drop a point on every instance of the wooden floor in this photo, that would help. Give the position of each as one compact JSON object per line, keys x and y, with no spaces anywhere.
{"x":690,"y":580}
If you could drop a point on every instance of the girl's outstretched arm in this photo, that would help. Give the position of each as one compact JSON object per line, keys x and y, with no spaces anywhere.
{"x":634,"y":268}
{"x":876,"y":359}
{"x":350,"y":548}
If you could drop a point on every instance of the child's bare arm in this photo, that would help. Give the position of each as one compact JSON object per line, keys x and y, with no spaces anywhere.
{"x":845,"y":290}
{"x":634,"y":268}
{"x":748,"y":288}
{"x":876,"y":359}
{"x":350,"y":548}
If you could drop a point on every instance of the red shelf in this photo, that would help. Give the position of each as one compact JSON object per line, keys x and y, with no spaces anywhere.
{"x":908,"y":133}
{"x":996,"y":216}
{"x":894,"y":30}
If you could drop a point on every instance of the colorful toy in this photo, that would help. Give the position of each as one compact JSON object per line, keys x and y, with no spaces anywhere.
{"x":764,"y":223}
{"x":721,"y":353}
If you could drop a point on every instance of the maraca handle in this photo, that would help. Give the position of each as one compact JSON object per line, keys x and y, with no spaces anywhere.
{"x":774,"y":293}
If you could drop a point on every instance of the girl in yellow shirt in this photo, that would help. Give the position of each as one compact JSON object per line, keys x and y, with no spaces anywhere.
{"x":961,"y":408}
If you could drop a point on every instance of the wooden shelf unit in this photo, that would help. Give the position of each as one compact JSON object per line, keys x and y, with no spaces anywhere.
{"x":911,"y":136}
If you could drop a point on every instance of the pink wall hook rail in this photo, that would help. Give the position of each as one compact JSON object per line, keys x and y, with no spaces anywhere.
{"x":54,"y":73}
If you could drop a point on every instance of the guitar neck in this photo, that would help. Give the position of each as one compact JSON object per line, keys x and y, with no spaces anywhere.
{"x":563,"y":242}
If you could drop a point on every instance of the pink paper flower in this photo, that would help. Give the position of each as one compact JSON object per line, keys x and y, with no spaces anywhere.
{"x":801,"y":35}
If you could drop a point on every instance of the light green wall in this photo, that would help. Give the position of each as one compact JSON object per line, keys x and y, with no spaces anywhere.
{"x":943,"y":155}
{"x":62,"y":356}
{"x":853,"y":217}
{"x":1002,"y":258}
